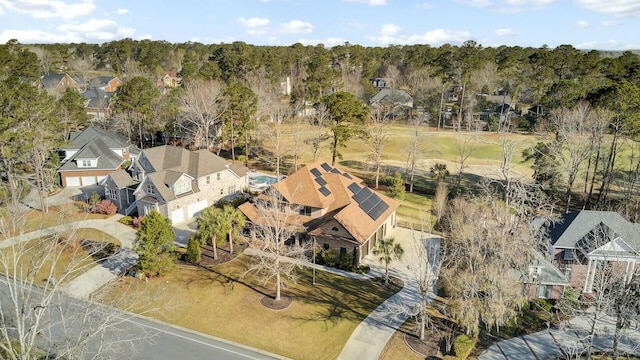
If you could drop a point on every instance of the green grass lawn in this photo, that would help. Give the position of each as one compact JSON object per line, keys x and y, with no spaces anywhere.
{"x":316,"y":325}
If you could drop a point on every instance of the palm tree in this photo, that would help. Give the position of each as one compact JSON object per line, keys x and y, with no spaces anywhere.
{"x":386,"y":250}
{"x":211,"y":225}
{"x":233,"y":220}
{"x":440,"y":172}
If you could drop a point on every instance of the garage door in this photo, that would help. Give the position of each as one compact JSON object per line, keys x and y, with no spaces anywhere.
{"x":73,"y":180}
{"x":195,"y":209}
{"x":88,"y":180}
{"x":177,"y":216}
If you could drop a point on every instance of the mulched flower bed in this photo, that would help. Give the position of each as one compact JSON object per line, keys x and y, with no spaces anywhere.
{"x":270,"y":302}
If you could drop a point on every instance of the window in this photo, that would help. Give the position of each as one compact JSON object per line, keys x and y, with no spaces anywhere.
{"x":181,"y":188}
{"x":544,"y":291}
{"x":534,"y":271}
{"x":343,"y":251}
{"x":221,"y":191}
{"x":305,"y":210}
{"x":150,"y":189}
{"x":325,"y":246}
{"x":208,"y":179}
{"x":334,"y":229}
{"x":218,"y":176}
{"x":112,"y":194}
{"x":231,"y":189}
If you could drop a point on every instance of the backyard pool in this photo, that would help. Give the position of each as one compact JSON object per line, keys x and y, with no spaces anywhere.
{"x":264,"y":179}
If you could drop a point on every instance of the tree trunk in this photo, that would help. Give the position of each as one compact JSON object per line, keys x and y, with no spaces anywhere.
{"x":230,"y":243}
{"x":441,"y":103}
{"x":423,"y":317}
{"x":386,"y":273}
{"x":277,"y":287}
{"x":377,"y":173}
{"x":215,"y":247}
{"x":335,"y":148}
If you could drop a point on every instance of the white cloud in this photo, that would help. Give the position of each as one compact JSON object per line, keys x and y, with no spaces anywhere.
{"x":368,"y":2}
{"x":529,"y":2}
{"x":48,"y":9}
{"x":255,"y":25}
{"x":610,"y":23}
{"x":95,"y":30}
{"x":393,"y":34}
{"x":424,"y":6}
{"x":505,"y":32}
{"x":123,"y":11}
{"x":32,"y":37}
{"x":475,"y":3}
{"x":582,"y":24}
{"x":606,"y":45}
{"x":296,"y":27}
{"x":620,"y":8}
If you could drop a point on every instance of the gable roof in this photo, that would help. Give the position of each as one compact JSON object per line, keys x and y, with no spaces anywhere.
{"x":122,"y":179}
{"x":97,"y":98}
{"x":578,"y":227}
{"x":97,"y":149}
{"x":112,"y":140}
{"x":320,"y":185}
{"x":395,"y":96}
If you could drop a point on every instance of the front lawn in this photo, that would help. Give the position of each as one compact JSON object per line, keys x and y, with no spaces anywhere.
{"x":316,"y":325}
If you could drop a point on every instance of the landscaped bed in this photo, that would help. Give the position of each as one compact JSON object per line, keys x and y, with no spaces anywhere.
{"x":218,"y":301}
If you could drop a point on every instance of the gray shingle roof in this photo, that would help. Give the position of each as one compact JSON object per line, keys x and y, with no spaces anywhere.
{"x":97,"y":98}
{"x":107,"y":159}
{"x":576,"y":226}
{"x":122,"y":179}
{"x":395,"y":96}
{"x":112,"y":140}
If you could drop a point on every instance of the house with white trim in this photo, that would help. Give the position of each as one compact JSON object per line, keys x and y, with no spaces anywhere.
{"x":176,"y":182}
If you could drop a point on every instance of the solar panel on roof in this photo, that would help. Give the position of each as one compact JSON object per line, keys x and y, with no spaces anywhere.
{"x":378,"y":210}
{"x":316,"y":172}
{"x":369,"y":203}
{"x":321,"y":181}
{"x":326,"y":167}
{"x":335,"y":171}
{"x":347,"y":175}
{"x":324,"y":191}
{"x":354,"y":188}
{"x":362,"y":195}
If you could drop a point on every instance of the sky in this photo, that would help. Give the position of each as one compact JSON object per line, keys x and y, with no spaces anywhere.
{"x":585,"y":24}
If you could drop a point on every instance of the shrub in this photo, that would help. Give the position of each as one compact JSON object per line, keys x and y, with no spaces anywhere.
{"x":104,"y":207}
{"x":397,"y":188}
{"x":329,"y":257}
{"x":545,"y":304}
{"x":136,"y":221}
{"x":94,"y":199}
{"x":127,"y":220}
{"x":194,"y":253}
{"x":463,"y":345}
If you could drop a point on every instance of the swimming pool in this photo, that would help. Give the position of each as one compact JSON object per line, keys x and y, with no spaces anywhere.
{"x":264,"y":179}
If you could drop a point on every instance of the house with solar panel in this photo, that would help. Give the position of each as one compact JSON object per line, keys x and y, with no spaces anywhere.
{"x":337,"y":211}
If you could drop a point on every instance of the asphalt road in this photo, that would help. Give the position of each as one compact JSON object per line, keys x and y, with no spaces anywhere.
{"x":127,"y":336}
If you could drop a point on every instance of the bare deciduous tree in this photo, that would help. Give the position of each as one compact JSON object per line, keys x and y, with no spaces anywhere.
{"x":203,"y":105}
{"x":319,"y":132}
{"x":377,"y":135}
{"x":276,"y":224}
{"x":37,"y":318}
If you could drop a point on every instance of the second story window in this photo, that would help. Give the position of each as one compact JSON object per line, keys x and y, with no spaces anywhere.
{"x":86,"y":163}
{"x":182,"y":188}
{"x":305,"y":210}
{"x":208,"y":179}
{"x":150,"y":189}
{"x":218,"y":176}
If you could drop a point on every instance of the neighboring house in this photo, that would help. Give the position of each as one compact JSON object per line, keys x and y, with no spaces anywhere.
{"x":394,"y":97}
{"x":176,"y":182}
{"x":583,"y":241}
{"x":58,"y":83}
{"x":336,"y":210}
{"x":107,"y":84}
{"x":378,"y":82}
{"x":98,"y":103}
{"x":171,"y":79}
{"x":91,"y":155}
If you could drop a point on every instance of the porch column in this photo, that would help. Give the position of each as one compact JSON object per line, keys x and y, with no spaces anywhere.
{"x":586,"y":278}
{"x":593,"y":275}
{"x":626,"y":272}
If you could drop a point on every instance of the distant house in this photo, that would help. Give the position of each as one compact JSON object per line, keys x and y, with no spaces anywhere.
{"x":176,"y":182}
{"x":98,"y":103}
{"x":107,"y":84}
{"x":581,"y":243}
{"x":378,"y":83}
{"x":398,"y":101}
{"x":171,"y":79}
{"x":91,"y":155}
{"x":58,"y":83}
{"x":336,"y":209}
